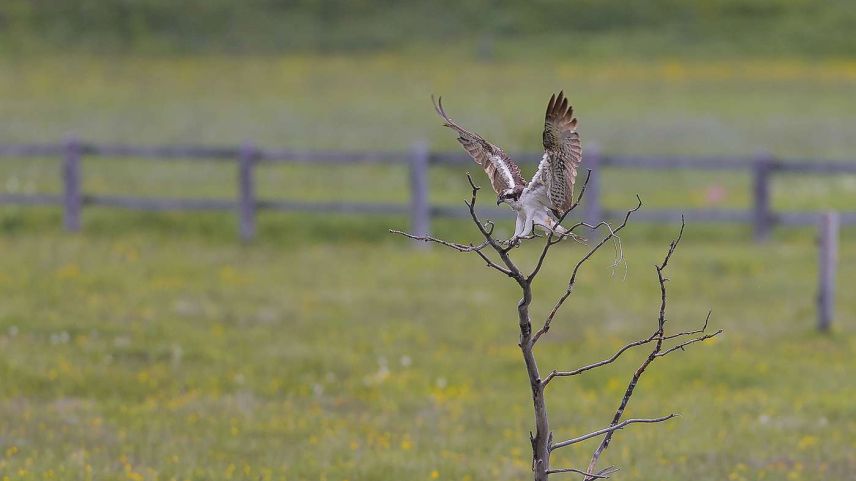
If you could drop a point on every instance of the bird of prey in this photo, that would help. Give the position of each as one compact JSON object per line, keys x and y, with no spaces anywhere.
{"x":544,"y":199}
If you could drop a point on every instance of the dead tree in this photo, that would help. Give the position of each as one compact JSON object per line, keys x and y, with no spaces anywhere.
{"x":661,"y":343}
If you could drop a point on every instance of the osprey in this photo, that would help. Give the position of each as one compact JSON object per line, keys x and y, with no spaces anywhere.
{"x":550,"y":193}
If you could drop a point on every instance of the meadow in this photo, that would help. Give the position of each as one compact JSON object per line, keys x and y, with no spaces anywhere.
{"x":157,"y":347}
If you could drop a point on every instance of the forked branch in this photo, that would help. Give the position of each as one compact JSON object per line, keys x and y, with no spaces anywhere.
{"x":613,"y":233}
{"x":658,"y":337}
{"x":453,"y":245}
{"x":610,"y":430}
{"x":602,"y":474}
{"x":640,"y":342}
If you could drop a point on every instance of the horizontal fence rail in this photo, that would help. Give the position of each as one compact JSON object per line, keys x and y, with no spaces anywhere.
{"x":419,"y":159}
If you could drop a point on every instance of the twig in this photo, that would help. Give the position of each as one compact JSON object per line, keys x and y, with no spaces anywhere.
{"x":690,"y":333}
{"x":550,"y":237}
{"x":458,"y":247}
{"x":601,"y":475}
{"x":589,"y":367}
{"x":640,"y":342}
{"x":486,"y":230}
{"x":682,"y":345}
{"x":454,"y":245}
{"x":512,"y":270}
{"x":493,"y":264}
{"x":609,"y":430}
{"x":573,"y":279}
{"x":658,"y":336}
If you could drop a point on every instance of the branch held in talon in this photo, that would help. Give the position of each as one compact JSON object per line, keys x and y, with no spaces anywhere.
{"x":545,"y":199}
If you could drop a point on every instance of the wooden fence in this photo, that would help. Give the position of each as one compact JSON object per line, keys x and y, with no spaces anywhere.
{"x":763,"y":167}
{"x":419,"y":159}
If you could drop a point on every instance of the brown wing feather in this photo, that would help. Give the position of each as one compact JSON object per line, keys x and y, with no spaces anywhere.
{"x":564,"y":152}
{"x":504,"y":174}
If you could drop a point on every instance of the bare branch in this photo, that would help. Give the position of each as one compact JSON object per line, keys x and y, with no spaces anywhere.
{"x":459,"y":247}
{"x":640,"y":342}
{"x":453,"y":245}
{"x":609,"y":430}
{"x":493,"y":264}
{"x":487,"y":233}
{"x":589,"y":367}
{"x":573,"y":279}
{"x":607,"y":471}
{"x":582,"y":191}
{"x":601,"y":475}
{"x":673,"y":245}
{"x":690,"y":333}
{"x":658,"y":336}
{"x":472,"y":184}
{"x":682,"y":345}
{"x":547,"y":244}
{"x":486,"y":229}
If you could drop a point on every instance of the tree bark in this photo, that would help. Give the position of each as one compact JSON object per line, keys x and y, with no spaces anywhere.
{"x":542,"y":438}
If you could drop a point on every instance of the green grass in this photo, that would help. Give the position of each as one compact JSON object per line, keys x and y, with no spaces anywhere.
{"x":477,"y":28}
{"x":155,"y":346}
{"x":168,"y":351}
{"x":793,"y":108}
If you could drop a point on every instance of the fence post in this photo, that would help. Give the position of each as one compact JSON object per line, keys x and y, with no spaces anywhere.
{"x":420,"y":210}
{"x":762,"y":217}
{"x":828,"y":243}
{"x":593,"y":211}
{"x":72,"y":197}
{"x":247,"y":192}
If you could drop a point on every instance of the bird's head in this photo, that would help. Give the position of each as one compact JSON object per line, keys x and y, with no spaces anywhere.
{"x":509,"y":195}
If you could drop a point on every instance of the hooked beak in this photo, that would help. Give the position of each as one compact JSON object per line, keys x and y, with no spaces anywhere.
{"x":499,"y":200}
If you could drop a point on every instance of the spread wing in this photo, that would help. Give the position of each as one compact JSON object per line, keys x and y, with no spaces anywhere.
{"x":563,"y":152}
{"x":503,"y":172}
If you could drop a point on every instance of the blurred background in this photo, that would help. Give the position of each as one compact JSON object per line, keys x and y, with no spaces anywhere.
{"x":156,"y":345}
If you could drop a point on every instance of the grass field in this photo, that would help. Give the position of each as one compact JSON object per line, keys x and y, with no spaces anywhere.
{"x":156,"y":347}
{"x":157,"y":354}
{"x":485,"y":29}
{"x":703,"y":106}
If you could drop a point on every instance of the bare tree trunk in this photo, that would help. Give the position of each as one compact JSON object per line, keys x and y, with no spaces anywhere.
{"x":543,"y":437}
